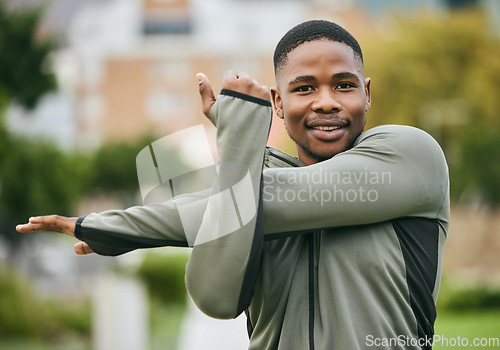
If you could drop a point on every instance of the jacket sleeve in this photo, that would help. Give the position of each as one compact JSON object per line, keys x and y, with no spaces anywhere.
{"x":223,"y":224}
{"x":115,"y":232}
{"x":225,"y":261}
{"x":392,"y":171}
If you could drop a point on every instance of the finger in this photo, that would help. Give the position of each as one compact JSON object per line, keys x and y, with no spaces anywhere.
{"x":46,"y":220}
{"x":54,"y":223}
{"x":40,"y":219}
{"x":206,"y":93}
{"x":37,"y":223}
{"x":82,"y":248}
{"x":25,"y":228}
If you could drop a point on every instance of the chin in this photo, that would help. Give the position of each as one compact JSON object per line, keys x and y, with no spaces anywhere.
{"x":330,"y":152}
{"x":322,"y":156}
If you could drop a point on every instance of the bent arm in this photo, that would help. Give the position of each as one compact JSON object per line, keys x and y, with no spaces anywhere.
{"x":392,"y":171}
{"x":225,"y":262}
{"x":224,"y":222}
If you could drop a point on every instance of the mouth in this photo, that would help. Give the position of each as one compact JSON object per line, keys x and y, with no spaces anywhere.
{"x":328,"y":129}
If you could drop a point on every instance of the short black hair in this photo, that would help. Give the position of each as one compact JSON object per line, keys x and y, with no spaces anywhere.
{"x":311,"y":31}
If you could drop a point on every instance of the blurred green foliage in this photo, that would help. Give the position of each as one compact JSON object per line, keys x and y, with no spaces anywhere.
{"x":37,"y":178}
{"x":458,"y":297}
{"x":468,"y":311}
{"x":22,"y":73}
{"x":166,"y":322}
{"x":439,"y":72}
{"x":31,"y":174}
{"x":470,"y":325}
{"x":114,"y":166}
{"x":24,"y":315}
{"x":163,"y":275}
{"x":19,"y":310}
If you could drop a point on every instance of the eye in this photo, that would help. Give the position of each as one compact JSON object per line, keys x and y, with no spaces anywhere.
{"x":304,"y":88}
{"x":345,"y":86}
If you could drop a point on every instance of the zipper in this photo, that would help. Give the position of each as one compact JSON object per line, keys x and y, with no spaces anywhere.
{"x":283,"y":159}
{"x":311,"y":289}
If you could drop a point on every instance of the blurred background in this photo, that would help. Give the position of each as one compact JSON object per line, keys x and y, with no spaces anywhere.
{"x":85,"y":85}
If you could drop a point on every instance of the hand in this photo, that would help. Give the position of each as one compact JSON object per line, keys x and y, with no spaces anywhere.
{"x":240,"y":82}
{"x":55,"y":223}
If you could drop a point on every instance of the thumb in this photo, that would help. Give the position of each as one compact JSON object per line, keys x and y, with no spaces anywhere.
{"x":82,"y":248}
{"x":206,"y":93}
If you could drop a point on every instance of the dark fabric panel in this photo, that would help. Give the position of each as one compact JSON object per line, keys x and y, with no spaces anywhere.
{"x":78,"y":228}
{"x":249,"y":324}
{"x":419,"y":241}
{"x":245,"y":97}
{"x":310,"y":242}
{"x":254,"y":260}
{"x":113,"y":244}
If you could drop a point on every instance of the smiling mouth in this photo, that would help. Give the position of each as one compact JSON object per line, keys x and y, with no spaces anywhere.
{"x":326,"y":128}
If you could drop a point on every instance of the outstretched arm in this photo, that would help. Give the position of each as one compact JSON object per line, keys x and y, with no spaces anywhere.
{"x":225,"y":262}
{"x":118,"y":231}
{"x":226,"y":220}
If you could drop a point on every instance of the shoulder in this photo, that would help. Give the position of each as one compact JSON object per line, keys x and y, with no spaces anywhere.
{"x":395,"y":132}
{"x":402,"y":143}
{"x":399,"y":137}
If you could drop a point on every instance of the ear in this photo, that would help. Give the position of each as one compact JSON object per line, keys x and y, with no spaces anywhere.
{"x":368,"y":93}
{"x":277,"y":102}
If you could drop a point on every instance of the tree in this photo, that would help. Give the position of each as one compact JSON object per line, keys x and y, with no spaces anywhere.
{"x":37,"y":178}
{"x":22,"y":74}
{"x":440,"y":72}
{"x":28,"y":170}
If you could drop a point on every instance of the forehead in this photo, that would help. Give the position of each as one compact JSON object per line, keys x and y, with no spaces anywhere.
{"x":319,"y":57}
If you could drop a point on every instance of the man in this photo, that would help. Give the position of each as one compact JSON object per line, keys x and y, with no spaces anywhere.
{"x":338,"y":249}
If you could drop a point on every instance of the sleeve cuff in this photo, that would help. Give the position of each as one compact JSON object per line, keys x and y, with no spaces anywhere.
{"x":78,"y":228}
{"x":245,"y":97}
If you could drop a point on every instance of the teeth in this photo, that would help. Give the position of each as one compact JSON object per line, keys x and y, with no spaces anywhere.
{"x":326,"y":128}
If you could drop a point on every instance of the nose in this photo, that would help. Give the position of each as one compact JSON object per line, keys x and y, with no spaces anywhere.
{"x":326,"y":101}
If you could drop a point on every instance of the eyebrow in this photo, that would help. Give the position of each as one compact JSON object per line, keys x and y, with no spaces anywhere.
{"x":302,"y":79}
{"x":345,"y":75}
{"x":311,"y":78}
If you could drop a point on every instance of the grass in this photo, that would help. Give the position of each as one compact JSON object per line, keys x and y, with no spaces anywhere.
{"x":452,"y":325}
{"x":70,"y":343}
{"x":459,"y":329}
{"x":165,"y":324}
{"x":465,"y":314}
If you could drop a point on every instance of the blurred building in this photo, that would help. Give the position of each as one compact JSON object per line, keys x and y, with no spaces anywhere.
{"x":127,"y":67}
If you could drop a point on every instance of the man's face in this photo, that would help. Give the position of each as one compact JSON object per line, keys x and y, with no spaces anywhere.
{"x":323,"y":97}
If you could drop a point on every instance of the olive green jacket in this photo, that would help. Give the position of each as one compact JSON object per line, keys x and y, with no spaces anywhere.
{"x":342,"y":254}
